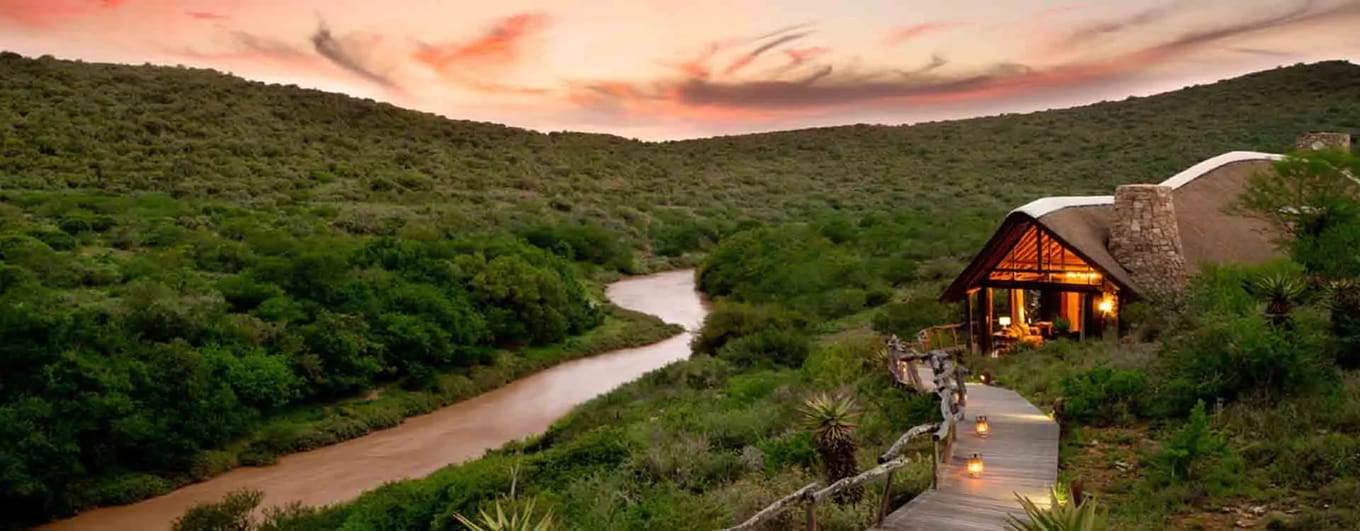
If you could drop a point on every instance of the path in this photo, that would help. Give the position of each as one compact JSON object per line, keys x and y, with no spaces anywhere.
{"x":1020,"y":456}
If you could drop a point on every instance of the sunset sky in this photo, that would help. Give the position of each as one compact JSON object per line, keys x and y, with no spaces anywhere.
{"x":660,"y":69}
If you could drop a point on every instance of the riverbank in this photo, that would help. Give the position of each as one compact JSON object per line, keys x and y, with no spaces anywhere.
{"x":460,"y":431}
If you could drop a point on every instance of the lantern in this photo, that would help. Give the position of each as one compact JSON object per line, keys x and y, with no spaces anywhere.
{"x":1106,"y":305}
{"x":1004,"y":321}
{"x":975,"y":465}
{"x":983,"y":429}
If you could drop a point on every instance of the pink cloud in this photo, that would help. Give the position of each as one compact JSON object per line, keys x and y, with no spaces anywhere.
{"x":907,"y":33}
{"x":44,"y":12}
{"x":204,"y":15}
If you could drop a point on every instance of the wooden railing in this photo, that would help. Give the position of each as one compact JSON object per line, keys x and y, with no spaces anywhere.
{"x":810,"y":495}
{"x":947,"y":382}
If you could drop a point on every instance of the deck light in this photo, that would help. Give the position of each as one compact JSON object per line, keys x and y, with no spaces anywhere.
{"x":982,"y":427}
{"x":975,"y":465}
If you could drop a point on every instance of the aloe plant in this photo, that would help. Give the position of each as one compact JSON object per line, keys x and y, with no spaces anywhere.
{"x":832,"y":421}
{"x":514,"y":519}
{"x":1281,"y":292}
{"x":1088,"y":516}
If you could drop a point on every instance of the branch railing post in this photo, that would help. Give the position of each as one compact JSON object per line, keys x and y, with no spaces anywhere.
{"x":883,"y":500}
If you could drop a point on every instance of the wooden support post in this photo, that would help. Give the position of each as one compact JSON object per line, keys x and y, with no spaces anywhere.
{"x":883,"y":501}
{"x":811,"y":517}
{"x":935,"y":466}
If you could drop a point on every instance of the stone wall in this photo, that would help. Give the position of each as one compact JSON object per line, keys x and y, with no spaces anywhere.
{"x":1319,"y":141}
{"x":1146,"y":240}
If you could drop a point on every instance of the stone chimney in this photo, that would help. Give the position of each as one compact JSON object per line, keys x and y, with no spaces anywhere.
{"x":1321,"y":141}
{"x":1145,"y":238}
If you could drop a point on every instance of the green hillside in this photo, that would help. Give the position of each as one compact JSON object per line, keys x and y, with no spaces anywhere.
{"x":200,"y":134}
{"x":191,"y":264}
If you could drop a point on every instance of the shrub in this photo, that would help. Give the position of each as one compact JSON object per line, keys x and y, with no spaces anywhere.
{"x":211,"y":463}
{"x":1186,"y":450}
{"x":1104,"y":396}
{"x":791,"y":450}
{"x":1344,"y":304}
{"x":232,"y":513}
{"x":121,"y":490}
{"x":767,"y":348}
{"x":1228,"y":357}
{"x":843,"y":362}
{"x":730,"y":321}
{"x":907,"y":318}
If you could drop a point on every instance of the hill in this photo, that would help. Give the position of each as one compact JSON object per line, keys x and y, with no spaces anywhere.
{"x":201,"y":134}
{"x":186,"y":256}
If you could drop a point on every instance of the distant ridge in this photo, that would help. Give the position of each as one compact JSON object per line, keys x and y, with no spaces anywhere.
{"x":199,"y":133}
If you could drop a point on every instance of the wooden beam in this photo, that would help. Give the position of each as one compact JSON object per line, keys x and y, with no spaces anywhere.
{"x":798,"y":496}
{"x":862,"y":478}
{"x":902,"y":441}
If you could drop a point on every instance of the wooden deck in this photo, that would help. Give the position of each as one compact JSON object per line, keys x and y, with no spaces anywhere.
{"x":1020,"y":456}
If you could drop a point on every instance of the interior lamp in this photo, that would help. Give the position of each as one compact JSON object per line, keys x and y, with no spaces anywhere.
{"x":982,"y":427}
{"x":975,"y":465}
{"x":1004,"y":321}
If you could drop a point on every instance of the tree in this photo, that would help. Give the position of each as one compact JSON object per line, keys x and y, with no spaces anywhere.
{"x":1300,"y":195}
{"x":832,"y":420}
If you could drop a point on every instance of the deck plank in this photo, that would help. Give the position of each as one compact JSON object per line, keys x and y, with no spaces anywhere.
{"x":1020,"y":456}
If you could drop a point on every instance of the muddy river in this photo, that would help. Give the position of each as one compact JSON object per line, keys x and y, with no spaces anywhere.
{"x":453,"y":434}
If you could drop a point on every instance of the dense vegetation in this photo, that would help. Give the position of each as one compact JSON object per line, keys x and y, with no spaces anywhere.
{"x":186,"y":257}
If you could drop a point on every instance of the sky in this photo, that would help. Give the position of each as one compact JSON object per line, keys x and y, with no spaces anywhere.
{"x":669,"y":69}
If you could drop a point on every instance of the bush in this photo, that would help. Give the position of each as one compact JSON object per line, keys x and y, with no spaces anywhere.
{"x":767,"y":348}
{"x":907,"y":318}
{"x":232,"y":513}
{"x":1187,"y":449}
{"x":1230,"y":357}
{"x":1104,"y":396}
{"x":211,"y":463}
{"x":730,"y":321}
{"x":121,"y":490}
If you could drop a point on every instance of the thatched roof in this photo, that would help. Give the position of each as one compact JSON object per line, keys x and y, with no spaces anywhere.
{"x":1202,"y":195}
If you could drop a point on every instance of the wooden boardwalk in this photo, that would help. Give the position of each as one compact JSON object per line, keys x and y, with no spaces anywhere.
{"x":1020,"y":456}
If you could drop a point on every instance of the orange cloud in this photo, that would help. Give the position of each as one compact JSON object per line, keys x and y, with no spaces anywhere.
{"x":907,"y":33}
{"x":497,"y":47}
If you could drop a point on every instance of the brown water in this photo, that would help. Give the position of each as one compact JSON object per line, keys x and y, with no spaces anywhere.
{"x":453,"y":434}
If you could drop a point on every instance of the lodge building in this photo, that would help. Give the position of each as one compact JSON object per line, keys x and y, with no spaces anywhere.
{"x":1068,"y":265}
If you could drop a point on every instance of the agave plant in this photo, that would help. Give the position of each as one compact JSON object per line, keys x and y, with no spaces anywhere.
{"x":832,"y":421}
{"x":1281,"y":292}
{"x":514,"y":519}
{"x":1087,"y":516}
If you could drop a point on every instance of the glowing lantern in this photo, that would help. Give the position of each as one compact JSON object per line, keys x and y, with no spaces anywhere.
{"x":1106,"y":305}
{"x":975,"y":465}
{"x":982,"y":427}
{"x":1004,"y":321}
